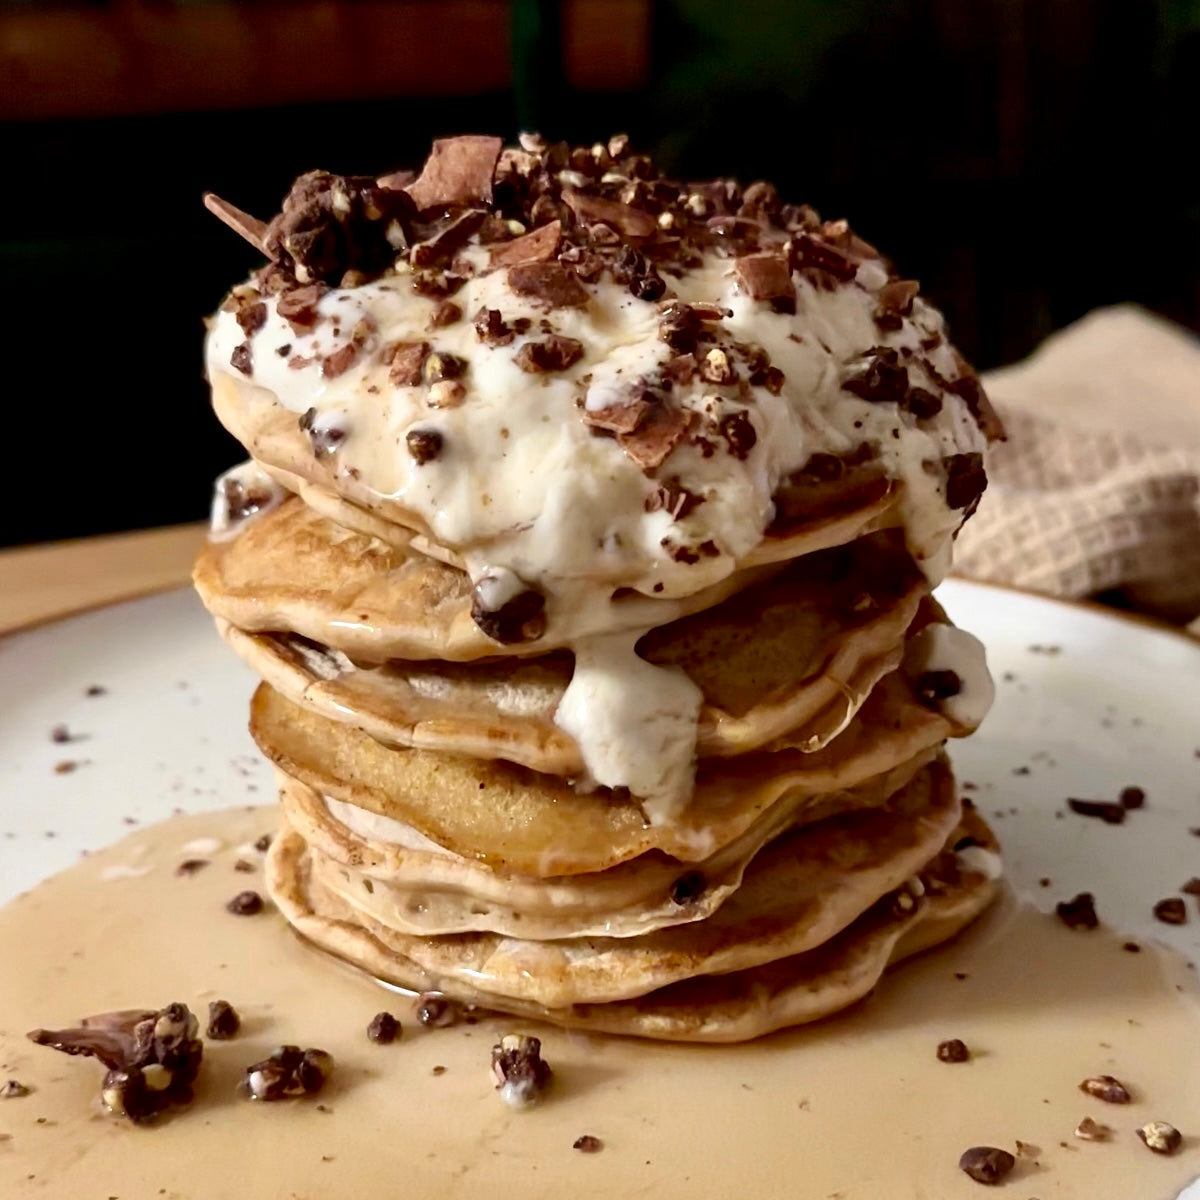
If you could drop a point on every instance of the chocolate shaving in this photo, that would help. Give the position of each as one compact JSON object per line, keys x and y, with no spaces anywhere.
{"x":340,"y":361}
{"x":764,"y":276}
{"x":674,"y":498}
{"x":458,"y":171}
{"x":879,"y":378}
{"x":621,"y":418}
{"x":405,"y":363}
{"x":895,"y":302}
{"x":451,"y":237}
{"x":810,"y":251}
{"x":660,"y":431}
{"x":631,"y":222}
{"x":551,"y":283}
{"x":554,"y":354}
{"x":535,"y":247}
{"x":242,"y":223}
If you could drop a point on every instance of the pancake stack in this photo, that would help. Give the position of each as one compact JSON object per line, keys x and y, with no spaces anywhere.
{"x":585,"y":552}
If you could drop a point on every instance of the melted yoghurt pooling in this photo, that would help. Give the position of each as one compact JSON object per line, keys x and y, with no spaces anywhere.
{"x":581,"y":377}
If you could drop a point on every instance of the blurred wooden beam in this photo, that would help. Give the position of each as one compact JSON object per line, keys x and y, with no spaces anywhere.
{"x":129,"y":57}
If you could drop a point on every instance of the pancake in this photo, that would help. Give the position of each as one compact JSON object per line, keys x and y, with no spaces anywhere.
{"x":291,"y":569}
{"x":431,"y":891}
{"x":797,"y":893}
{"x":273,"y":436}
{"x":796,"y":654}
{"x":516,"y":820}
{"x":733,"y":1007}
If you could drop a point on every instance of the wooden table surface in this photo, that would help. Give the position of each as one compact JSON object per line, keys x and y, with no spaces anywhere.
{"x":40,"y":583}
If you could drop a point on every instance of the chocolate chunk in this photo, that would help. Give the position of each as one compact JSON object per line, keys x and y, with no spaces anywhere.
{"x":879,"y":377}
{"x":13,"y":1090}
{"x":325,"y":439}
{"x":738,"y":431}
{"x":1078,"y":912}
{"x":439,"y":366}
{"x":662,"y":429}
{"x":60,"y":734}
{"x":761,"y":202}
{"x":446,"y":313}
{"x":1171,"y":911}
{"x":587,"y":1144}
{"x":96,"y":689}
{"x":986,"y":1164}
{"x":340,"y":361}
{"x":406,"y":361}
{"x":241,"y":359}
{"x":263,"y":843}
{"x":190,"y":866}
{"x":458,"y":171}
{"x":764,"y":276}
{"x":554,"y":354}
{"x":636,"y":272}
{"x":688,"y":888}
{"x":922,"y":403}
{"x":245,"y":904}
{"x":590,"y":210}
{"x":679,"y":327}
{"x":288,"y":1073}
{"x":223,"y":1021}
{"x":895,"y":301}
{"x":1132,"y":797}
{"x":548,"y":282}
{"x":1106,"y":1088}
{"x":520,"y":1072}
{"x":424,"y":445}
{"x":384,"y":1029}
{"x":435,"y":1011}
{"x":1192,"y":887}
{"x":298,"y":306}
{"x":716,"y":368}
{"x":813,"y":252}
{"x":1108,"y":812}
{"x":242,"y":223}
{"x":965,"y":481}
{"x":539,"y":245}
{"x":1161,"y":1137}
{"x":152,"y":1056}
{"x":507,"y":609}
{"x":953,"y":1051}
{"x":333,"y":224}
{"x":674,"y":498}
{"x":932,"y":687}
{"x":450,"y":236}
{"x":491,"y":329}
{"x":968,"y":387}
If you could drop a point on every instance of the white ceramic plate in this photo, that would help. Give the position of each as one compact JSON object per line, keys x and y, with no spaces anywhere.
{"x":1088,"y":703}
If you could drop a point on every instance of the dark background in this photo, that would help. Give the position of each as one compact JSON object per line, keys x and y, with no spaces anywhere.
{"x":1027,"y":160}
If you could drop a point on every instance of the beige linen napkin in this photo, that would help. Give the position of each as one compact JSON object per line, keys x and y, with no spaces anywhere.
{"x":1098,"y":486}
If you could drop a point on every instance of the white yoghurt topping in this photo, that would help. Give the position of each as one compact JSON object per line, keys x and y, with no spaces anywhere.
{"x":941,"y":647}
{"x":502,"y":464}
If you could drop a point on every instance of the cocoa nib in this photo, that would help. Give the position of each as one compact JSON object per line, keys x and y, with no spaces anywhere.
{"x":446,"y":313}
{"x":288,"y":1073}
{"x":152,"y":1056}
{"x":636,"y":272}
{"x":507,"y":609}
{"x":458,"y":171}
{"x":384,"y":1029}
{"x":932,"y":687}
{"x":1106,"y":1088}
{"x":491,"y":329}
{"x":548,"y":282}
{"x":241,"y":359}
{"x":879,"y":377}
{"x":554,"y":354}
{"x":965,"y":481}
{"x":424,"y":445}
{"x":953,"y":1051}
{"x":1108,"y":811}
{"x":687,"y":888}
{"x":539,"y":245}
{"x":738,"y":431}
{"x":679,"y":327}
{"x":325,"y":439}
{"x":1161,"y":1137}
{"x":674,"y":498}
{"x":435,"y":1011}
{"x":245,"y":904}
{"x":223,"y":1021}
{"x":764,"y":276}
{"x":405,"y":363}
{"x":1171,"y":911}
{"x":810,"y":251}
{"x":986,"y":1164}
{"x":1078,"y":912}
